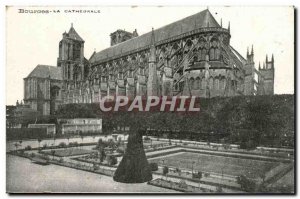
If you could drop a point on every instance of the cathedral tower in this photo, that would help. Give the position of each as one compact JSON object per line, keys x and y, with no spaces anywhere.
{"x":266,"y":77}
{"x":249,"y":73}
{"x":71,"y":55}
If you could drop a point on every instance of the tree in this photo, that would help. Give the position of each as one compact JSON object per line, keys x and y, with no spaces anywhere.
{"x":178,"y":171}
{"x":53,"y":153}
{"x":246,"y":184}
{"x":219,"y":189}
{"x":20,"y":143}
{"x":262,"y":175}
{"x":68,"y":138}
{"x":111,"y":160}
{"x":182,"y":184}
{"x":111,"y":144}
{"x":198,"y":175}
{"x":81,"y":136}
{"x":165,"y":171}
{"x":28,"y":147}
{"x":153,"y":166}
{"x":102,"y":154}
{"x":45,"y":146}
{"x":62,"y":145}
{"x":39,"y":141}
{"x":16,"y":145}
{"x":100,"y":143}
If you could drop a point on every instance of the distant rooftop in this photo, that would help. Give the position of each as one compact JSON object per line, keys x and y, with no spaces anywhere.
{"x":188,"y":24}
{"x":46,"y":71}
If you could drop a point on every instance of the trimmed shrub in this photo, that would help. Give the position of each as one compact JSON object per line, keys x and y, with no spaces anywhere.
{"x":62,"y":145}
{"x":28,"y":147}
{"x":111,"y":160}
{"x":153,"y":166}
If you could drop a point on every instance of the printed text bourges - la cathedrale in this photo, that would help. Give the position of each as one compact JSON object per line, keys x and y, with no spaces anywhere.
{"x":45,"y":11}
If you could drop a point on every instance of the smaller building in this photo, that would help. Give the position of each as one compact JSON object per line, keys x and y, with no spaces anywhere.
{"x":120,"y":36}
{"x":18,"y":115}
{"x":79,"y":126}
{"x":51,"y":129}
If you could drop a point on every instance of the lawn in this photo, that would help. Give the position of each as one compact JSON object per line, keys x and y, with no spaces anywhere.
{"x":217,"y":164}
{"x":68,"y":152}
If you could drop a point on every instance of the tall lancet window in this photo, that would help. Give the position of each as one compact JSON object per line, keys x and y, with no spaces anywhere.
{"x":76,"y":51}
{"x":60,"y":47}
{"x":202,"y":49}
{"x":214,"y":51}
{"x":69,"y":51}
{"x":197,"y":83}
{"x":191,"y":83}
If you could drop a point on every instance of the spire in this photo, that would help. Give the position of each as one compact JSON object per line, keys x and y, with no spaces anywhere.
{"x":229,"y":26}
{"x":252,"y":52}
{"x":259,"y":66}
{"x":247,"y":51}
{"x":73,"y":34}
{"x":152,"y":43}
{"x":272,"y":58}
{"x":152,"y":56}
{"x":266,"y":58}
{"x":264,"y":66}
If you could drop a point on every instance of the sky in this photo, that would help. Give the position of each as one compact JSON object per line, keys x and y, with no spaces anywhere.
{"x":32,"y":39}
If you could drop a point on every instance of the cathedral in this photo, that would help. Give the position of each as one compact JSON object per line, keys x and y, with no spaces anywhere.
{"x":190,"y":57}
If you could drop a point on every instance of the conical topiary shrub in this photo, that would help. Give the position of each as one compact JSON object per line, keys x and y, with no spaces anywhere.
{"x":134,"y":167}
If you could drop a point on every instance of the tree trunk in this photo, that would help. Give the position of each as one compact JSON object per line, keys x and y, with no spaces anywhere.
{"x":134,"y":167}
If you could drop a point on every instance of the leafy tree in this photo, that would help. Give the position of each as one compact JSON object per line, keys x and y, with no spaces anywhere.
{"x":165,"y":171}
{"x":246,"y":184}
{"x":62,"y":145}
{"x":39,"y":141}
{"x":28,"y":147}
{"x":112,"y":160}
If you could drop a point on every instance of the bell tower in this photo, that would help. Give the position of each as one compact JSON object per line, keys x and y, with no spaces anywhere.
{"x":71,"y":54}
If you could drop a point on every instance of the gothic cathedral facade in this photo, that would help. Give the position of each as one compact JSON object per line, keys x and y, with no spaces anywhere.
{"x":191,"y":57}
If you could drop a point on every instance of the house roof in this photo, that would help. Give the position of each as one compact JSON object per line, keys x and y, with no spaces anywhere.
{"x":188,"y":24}
{"x":45,"y":71}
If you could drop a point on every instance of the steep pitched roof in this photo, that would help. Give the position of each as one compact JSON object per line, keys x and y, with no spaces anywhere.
{"x":74,"y":35}
{"x":188,"y":24}
{"x":45,"y":71}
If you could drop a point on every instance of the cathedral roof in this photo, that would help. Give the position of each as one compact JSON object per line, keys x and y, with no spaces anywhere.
{"x":45,"y":71}
{"x":188,"y":24}
{"x":74,"y":35}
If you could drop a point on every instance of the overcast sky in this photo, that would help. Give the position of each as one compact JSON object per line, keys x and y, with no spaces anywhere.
{"x":33,"y":39}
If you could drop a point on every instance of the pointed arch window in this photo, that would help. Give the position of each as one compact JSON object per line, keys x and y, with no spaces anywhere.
{"x":203,"y":83}
{"x":197,"y":83}
{"x":214,"y":51}
{"x":202,"y":49}
{"x":191,"y":83}
{"x":76,"y":51}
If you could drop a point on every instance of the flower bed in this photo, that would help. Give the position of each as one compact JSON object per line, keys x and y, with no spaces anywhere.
{"x":67,"y":152}
{"x":181,"y":186}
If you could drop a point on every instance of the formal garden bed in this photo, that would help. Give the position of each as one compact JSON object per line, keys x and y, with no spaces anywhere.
{"x":66,"y":152}
{"x":217,"y":164}
{"x":181,"y":186}
{"x":107,"y":160}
